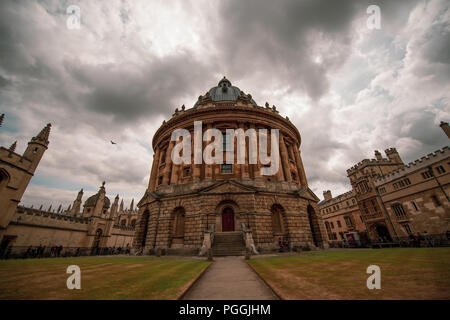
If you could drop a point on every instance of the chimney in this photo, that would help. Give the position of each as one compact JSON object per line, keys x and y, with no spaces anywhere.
{"x":327,"y":195}
{"x":446,"y":128}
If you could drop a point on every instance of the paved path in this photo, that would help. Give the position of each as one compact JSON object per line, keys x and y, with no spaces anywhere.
{"x":229,"y":278}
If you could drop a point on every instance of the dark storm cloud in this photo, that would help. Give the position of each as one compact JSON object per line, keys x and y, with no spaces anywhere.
{"x":279,"y":36}
{"x":283,"y":37}
{"x":128,"y":92}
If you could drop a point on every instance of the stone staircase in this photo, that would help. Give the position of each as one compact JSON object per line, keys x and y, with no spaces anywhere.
{"x":228,"y":244}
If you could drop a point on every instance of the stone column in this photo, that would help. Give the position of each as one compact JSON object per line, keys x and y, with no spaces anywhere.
{"x":292,"y":156}
{"x":208,"y":167}
{"x":300,"y":168}
{"x":257,"y":166}
{"x":168,"y":166}
{"x":196,"y":168}
{"x":154,"y":171}
{"x":284,"y":159}
{"x":244,"y":167}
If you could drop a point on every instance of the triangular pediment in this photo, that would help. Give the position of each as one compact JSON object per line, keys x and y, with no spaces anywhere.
{"x":228,"y":186}
{"x":307,"y":193}
{"x":148,"y":197}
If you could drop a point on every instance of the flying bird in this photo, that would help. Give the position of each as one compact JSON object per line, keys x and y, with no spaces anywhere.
{"x":112,"y":142}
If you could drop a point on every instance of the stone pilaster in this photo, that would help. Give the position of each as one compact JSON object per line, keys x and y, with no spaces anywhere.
{"x":284,"y":159}
{"x":153,"y":174}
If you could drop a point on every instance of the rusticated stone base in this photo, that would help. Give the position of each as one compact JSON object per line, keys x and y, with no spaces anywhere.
{"x":252,"y":203}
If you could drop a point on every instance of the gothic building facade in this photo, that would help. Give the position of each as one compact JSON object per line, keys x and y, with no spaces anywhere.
{"x":390,"y":200}
{"x":96,"y":223}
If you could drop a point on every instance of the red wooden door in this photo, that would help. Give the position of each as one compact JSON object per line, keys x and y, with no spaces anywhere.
{"x":228,"y":220}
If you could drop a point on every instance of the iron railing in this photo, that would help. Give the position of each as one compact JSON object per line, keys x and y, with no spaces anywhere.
{"x":431,"y":240}
{"x":22,"y":252}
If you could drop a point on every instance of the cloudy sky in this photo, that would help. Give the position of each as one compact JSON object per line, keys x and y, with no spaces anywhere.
{"x":349,"y":89}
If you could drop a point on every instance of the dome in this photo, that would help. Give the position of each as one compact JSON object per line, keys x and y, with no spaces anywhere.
{"x":224,"y":91}
{"x":92,"y":201}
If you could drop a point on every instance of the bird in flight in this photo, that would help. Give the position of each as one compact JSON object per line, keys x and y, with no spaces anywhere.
{"x":112,"y":142}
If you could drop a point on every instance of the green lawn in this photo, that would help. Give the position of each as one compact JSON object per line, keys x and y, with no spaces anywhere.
{"x":410,"y":273}
{"x":101,"y":278}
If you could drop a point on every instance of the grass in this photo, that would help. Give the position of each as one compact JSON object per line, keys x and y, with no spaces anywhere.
{"x":406,"y":273}
{"x":101,"y":278}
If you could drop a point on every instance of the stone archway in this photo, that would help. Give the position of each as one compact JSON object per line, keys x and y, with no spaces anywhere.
{"x":382,"y":233}
{"x":144,"y":226}
{"x":314,"y":225}
{"x":228,"y":217}
{"x":97,"y":241}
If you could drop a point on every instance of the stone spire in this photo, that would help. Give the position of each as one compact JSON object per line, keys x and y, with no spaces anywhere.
{"x":77,"y":203}
{"x":12,"y":148}
{"x":2,"y":117}
{"x":121,"y":206}
{"x":132,"y":204}
{"x":114,"y":207}
{"x":50,"y":208}
{"x":43,"y":135}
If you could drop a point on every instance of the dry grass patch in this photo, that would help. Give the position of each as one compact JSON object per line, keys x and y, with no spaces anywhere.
{"x":101,"y":278}
{"x":406,"y":273}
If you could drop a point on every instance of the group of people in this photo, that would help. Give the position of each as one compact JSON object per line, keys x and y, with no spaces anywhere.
{"x":416,"y":240}
{"x":111,"y":250}
{"x":284,"y":245}
{"x":37,"y":252}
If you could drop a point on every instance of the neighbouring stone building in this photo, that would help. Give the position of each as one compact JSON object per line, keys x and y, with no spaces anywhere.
{"x":94,"y":224}
{"x":393,"y":200}
{"x":341,"y":216}
{"x":416,"y":197}
{"x":185,"y":204}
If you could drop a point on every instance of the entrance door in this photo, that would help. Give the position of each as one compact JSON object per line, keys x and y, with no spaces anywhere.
{"x":383,"y":234}
{"x":228,"y":219}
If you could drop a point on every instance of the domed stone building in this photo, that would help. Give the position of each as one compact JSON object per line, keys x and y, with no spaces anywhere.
{"x":192,"y":206}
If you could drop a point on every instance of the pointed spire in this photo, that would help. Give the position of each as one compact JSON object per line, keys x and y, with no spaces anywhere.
{"x":44,"y":134}
{"x":69,"y":207}
{"x":40,"y":208}
{"x":2,"y":117}
{"x":50,"y":208}
{"x":59,"y":208}
{"x":132,"y":204}
{"x":102,"y":188}
{"x":12,"y":148}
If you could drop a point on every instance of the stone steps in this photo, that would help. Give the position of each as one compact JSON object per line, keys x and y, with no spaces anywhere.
{"x":228,"y":244}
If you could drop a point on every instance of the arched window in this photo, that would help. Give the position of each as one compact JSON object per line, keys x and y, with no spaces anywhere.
{"x":98,"y":235}
{"x":133,"y":223}
{"x":4,"y":179}
{"x":277,"y":219}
